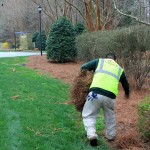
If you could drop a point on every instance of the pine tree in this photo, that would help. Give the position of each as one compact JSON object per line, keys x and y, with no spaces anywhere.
{"x":61,"y":42}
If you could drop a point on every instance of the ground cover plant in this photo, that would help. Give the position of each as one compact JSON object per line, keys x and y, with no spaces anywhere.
{"x":33,"y":112}
{"x":144,"y":118}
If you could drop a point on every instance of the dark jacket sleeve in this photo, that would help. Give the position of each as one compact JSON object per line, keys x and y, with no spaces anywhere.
{"x":125,"y":84}
{"x":91,"y":65}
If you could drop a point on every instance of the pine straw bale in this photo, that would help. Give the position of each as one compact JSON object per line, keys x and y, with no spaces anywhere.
{"x":80,"y":89}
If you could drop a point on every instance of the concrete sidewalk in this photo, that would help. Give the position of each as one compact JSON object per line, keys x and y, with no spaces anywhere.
{"x":15,"y":54}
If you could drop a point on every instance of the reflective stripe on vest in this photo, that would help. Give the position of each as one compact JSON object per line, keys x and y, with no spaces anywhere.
{"x":107,"y":76}
{"x":101,"y":70}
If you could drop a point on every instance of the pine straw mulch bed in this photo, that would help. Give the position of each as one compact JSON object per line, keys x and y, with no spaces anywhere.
{"x":128,"y":136}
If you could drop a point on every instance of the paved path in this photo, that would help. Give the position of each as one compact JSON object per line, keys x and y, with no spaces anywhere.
{"x":15,"y":54}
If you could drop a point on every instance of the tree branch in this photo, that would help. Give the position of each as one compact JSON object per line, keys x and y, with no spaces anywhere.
{"x":44,"y":11}
{"x":77,"y":10}
{"x":51,"y":8}
{"x":130,"y":16}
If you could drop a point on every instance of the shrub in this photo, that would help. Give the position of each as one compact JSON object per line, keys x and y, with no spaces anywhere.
{"x":34,"y":39}
{"x":5,"y":45}
{"x":79,"y":28}
{"x":26,"y":42}
{"x":144,"y":118}
{"x":12,"y":44}
{"x":34,"y":36}
{"x":95,"y":44}
{"x":29,"y":42}
{"x":61,"y":42}
{"x":43,"y":35}
{"x":134,"y":44}
{"x":23,"y":43}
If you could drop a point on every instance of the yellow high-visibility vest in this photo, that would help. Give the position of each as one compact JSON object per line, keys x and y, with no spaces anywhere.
{"x":107,"y":75}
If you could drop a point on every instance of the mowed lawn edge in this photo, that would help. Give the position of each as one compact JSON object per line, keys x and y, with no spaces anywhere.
{"x":33,"y":113}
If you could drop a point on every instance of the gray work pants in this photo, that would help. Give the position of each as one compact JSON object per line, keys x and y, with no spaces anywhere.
{"x":93,"y":104}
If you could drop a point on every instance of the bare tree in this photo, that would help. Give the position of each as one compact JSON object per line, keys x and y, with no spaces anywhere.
{"x":138,"y":4}
{"x":54,"y":9}
{"x":96,"y":14}
{"x":19,"y":14}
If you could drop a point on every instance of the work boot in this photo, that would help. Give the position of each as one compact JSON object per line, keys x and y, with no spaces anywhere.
{"x":93,"y":142}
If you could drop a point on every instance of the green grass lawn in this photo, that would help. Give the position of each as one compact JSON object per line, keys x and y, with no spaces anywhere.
{"x":33,"y":115}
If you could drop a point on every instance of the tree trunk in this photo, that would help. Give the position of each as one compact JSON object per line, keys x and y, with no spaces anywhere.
{"x":98,"y":15}
{"x":88,"y":9}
